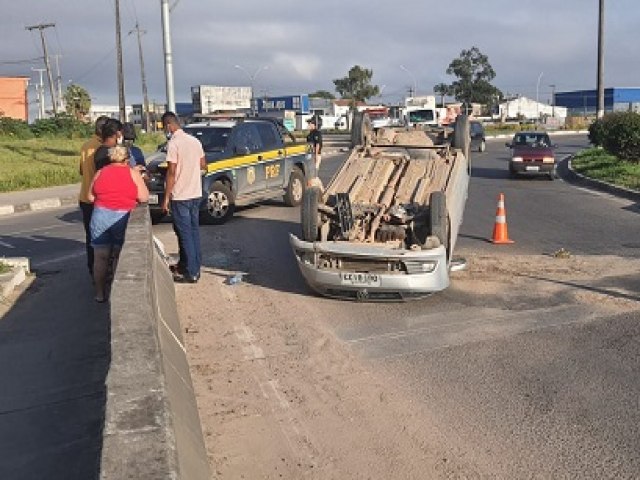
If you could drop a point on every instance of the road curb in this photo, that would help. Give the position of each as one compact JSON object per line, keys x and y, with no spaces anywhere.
{"x":574,"y":177}
{"x":9,"y":281}
{"x":38,"y":205}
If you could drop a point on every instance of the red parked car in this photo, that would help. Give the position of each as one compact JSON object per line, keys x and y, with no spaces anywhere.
{"x":532,"y":153}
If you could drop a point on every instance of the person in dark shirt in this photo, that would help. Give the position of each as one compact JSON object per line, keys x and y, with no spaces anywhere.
{"x":136,"y":157}
{"x":111,"y":136}
{"x":314,"y":140}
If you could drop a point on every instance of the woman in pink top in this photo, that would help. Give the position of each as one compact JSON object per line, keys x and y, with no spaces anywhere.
{"x":115,"y":191}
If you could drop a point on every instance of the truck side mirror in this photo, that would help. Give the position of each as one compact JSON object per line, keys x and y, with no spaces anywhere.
{"x":508,"y":145}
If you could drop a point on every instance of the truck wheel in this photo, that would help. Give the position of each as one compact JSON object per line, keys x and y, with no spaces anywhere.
{"x":156,"y":217}
{"x":438,"y":218}
{"x":461,"y":136}
{"x":309,"y":217}
{"x":295,"y":188}
{"x":356,"y":130}
{"x":220,"y":205}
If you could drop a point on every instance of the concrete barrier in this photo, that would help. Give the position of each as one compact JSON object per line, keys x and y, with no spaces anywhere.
{"x":152,"y":427}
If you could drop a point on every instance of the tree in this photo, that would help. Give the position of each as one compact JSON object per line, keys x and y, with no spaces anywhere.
{"x":474,"y":74}
{"x":322,"y":94}
{"x":78,"y":101}
{"x":357,"y":86}
{"x":443,"y":90}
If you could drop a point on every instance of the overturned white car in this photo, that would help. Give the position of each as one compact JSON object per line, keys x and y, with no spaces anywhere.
{"x":385,"y":227}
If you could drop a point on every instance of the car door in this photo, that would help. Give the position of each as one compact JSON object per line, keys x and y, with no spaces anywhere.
{"x":249,"y":174}
{"x":273,"y":156}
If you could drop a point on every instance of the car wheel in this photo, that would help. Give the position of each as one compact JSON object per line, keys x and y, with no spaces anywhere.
{"x":295,"y":188}
{"x":439,"y":219}
{"x":483,"y":146}
{"x":553,"y":175}
{"x":309,"y":216}
{"x":356,"y":130}
{"x":219,"y":204}
{"x":156,"y":217}
{"x":461,"y":136}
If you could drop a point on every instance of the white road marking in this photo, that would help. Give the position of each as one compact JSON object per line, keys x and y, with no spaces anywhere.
{"x":62,"y":258}
{"x":6,"y":245}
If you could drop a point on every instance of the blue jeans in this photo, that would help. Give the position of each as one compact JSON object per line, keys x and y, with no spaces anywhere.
{"x":186,"y":224}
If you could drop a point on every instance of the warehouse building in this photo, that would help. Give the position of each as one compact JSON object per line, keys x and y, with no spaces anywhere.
{"x":585,"y":102}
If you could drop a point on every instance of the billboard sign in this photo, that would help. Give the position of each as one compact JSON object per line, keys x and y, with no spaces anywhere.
{"x":297,"y":103}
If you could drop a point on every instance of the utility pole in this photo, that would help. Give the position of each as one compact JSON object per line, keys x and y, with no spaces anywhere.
{"x":59,"y":82}
{"x":145,"y":98}
{"x":121,"y":104}
{"x":40,"y":90}
{"x":168,"y":57}
{"x":600,"y":111}
{"x":41,"y":27}
{"x":553,"y":100}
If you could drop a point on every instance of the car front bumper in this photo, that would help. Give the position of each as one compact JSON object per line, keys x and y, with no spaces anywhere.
{"x":344,"y":270}
{"x":532,"y":168}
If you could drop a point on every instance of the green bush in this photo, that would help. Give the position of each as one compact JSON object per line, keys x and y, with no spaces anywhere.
{"x":619,"y":134}
{"x":14,"y":128}
{"x":62,"y":125}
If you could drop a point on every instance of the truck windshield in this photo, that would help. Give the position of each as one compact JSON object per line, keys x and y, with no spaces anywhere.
{"x":419,"y":116}
{"x":213,"y":139}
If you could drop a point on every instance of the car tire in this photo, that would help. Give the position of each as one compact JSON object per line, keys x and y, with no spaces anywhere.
{"x":295,"y":188}
{"x":219,"y":205}
{"x":483,"y":146}
{"x":462,"y":136}
{"x":553,"y":175}
{"x":309,"y":216}
{"x":439,"y":218}
{"x":356,"y":130}
{"x":156,"y":217}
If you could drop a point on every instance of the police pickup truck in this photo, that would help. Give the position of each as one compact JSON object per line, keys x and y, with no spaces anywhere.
{"x":247,"y":160}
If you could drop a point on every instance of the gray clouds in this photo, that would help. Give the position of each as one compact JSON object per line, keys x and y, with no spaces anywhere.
{"x":307,"y":44}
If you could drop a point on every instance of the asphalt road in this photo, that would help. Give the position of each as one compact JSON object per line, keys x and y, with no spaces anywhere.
{"x":528,"y":365}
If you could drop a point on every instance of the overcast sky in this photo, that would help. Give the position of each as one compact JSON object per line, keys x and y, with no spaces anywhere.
{"x":304,"y":45}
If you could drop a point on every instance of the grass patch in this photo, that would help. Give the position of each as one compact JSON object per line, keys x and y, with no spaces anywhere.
{"x":48,"y":162}
{"x":5,"y":267}
{"x":600,"y":165}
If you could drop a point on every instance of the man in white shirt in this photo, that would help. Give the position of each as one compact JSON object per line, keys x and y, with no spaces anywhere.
{"x":183,"y":195}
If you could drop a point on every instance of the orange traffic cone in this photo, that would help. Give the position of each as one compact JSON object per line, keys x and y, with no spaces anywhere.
{"x":500,"y":234}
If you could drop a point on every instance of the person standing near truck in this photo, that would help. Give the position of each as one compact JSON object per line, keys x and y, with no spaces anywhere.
{"x":183,"y":194}
{"x":314,"y":140}
{"x":87,"y":171}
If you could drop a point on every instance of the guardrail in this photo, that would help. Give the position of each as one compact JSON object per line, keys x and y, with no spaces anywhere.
{"x":152,"y":427}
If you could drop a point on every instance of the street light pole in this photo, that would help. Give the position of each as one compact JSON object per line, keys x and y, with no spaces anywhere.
{"x":415,"y":84}
{"x":168,"y":56}
{"x":553,"y":100}
{"x":600,"y":111}
{"x":252,"y":79}
{"x":537,"y":97}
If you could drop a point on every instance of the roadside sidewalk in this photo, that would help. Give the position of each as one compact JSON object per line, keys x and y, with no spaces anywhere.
{"x":38,"y":199}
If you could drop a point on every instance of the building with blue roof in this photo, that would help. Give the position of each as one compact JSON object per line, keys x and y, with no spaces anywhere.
{"x":585,"y":102}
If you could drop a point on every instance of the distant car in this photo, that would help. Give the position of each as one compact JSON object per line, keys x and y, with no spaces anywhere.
{"x":478,"y":140}
{"x":532,"y":153}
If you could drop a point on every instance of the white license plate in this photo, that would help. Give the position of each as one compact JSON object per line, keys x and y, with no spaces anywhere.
{"x":532,"y":168}
{"x":360,"y":279}
{"x":153,"y":199}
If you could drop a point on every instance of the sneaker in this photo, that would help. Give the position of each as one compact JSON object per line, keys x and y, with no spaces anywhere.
{"x":185,"y":279}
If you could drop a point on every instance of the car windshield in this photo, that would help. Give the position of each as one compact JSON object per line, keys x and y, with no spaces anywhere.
{"x":532,"y":139}
{"x":213,"y":139}
{"x":417,"y":116}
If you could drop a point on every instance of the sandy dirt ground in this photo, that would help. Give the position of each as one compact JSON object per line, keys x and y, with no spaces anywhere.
{"x":281,"y":396}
